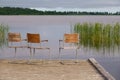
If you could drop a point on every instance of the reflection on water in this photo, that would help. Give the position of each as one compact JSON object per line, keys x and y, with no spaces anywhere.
{"x":53,"y":28}
{"x":3,"y":32}
{"x":102,"y":37}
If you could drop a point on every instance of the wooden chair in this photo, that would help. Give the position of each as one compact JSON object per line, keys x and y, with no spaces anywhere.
{"x":15,"y":41}
{"x":34,"y":39}
{"x":70,"y":41}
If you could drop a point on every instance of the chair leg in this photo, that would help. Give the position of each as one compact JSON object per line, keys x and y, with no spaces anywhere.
{"x":76,"y":56}
{"x":33,"y":52}
{"x":49,"y":55}
{"x":61,"y":62}
{"x":59,"y":57}
{"x":13,"y":61}
{"x":15,"y":53}
{"x":30,"y":55}
{"x":14,"y":58}
{"x":30,"y":58}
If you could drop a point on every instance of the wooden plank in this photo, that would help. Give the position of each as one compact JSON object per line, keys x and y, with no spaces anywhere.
{"x":106,"y":74}
{"x":49,"y":70}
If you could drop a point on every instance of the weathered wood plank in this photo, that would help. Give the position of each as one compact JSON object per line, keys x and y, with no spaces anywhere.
{"x":49,"y":70}
{"x":101,"y":69}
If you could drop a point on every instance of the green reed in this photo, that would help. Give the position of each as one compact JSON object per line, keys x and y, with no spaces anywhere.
{"x":3,"y":34}
{"x":98,"y":35}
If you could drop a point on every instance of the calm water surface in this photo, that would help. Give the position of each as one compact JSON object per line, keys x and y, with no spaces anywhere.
{"x":53,"y":28}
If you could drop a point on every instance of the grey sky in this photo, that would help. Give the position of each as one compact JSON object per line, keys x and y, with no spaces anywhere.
{"x":81,"y":4}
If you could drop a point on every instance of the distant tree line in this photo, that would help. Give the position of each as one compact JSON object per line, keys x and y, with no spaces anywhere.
{"x":27,"y":11}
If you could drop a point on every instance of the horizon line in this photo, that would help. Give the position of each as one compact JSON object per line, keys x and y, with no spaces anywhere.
{"x":61,"y":9}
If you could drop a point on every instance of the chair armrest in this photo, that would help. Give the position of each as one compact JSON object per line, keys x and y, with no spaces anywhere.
{"x":60,"y":40}
{"x":44,"y":43}
{"x":61,"y":43}
{"x":44,"y":40}
{"x":24,"y":39}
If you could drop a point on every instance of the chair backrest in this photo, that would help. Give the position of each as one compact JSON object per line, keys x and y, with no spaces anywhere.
{"x":33,"y":38}
{"x":71,"y":38}
{"x":14,"y":37}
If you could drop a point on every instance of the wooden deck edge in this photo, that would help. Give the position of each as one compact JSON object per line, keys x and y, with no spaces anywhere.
{"x":106,"y":74}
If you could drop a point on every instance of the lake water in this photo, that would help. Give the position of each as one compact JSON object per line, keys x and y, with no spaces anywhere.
{"x":53,"y":28}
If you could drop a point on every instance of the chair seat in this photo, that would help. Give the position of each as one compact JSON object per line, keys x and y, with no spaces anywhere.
{"x":73,"y":47}
{"x":39,"y":47}
{"x":17,"y":46}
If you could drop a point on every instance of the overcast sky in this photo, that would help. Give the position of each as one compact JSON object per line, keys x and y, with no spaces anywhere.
{"x":89,"y":5}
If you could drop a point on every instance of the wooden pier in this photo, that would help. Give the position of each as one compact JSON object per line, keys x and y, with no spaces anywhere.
{"x":53,"y":70}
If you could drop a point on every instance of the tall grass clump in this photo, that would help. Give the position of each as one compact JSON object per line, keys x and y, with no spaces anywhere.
{"x":3,"y":33}
{"x":98,"y":35}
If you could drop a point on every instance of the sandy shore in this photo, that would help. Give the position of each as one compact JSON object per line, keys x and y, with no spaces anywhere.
{"x":48,"y":70}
